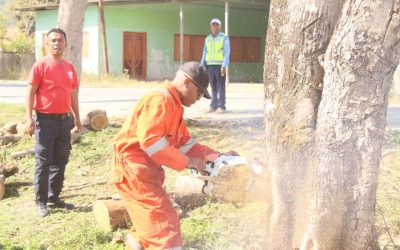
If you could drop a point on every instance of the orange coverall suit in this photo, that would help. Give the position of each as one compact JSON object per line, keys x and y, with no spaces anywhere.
{"x":154,"y":134}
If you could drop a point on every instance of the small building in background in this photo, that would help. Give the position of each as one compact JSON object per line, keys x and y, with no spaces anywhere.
{"x":143,"y":37}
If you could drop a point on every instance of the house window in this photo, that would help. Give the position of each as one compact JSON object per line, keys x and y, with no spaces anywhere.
{"x":243,"y":49}
{"x":192,"y":45}
{"x":85,"y":45}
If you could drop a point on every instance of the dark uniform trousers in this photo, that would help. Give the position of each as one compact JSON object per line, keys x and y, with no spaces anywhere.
{"x":52,"y":150}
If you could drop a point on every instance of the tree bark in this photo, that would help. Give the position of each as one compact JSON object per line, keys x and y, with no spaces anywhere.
{"x":359,"y":65}
{"x":71,"y":15}
{"x":298,"y":34}
{"x":324,"y":148}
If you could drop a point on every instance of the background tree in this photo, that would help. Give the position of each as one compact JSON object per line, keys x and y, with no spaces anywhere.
{"x":71,"y":15}
{"x":12,"y":16}
{"x":328,"y":68}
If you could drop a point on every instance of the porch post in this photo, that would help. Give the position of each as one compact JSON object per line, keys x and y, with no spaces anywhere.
{"x":181,"y":31}
{"x":227,"y":32}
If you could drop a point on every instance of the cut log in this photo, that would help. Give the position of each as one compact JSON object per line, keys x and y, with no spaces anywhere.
{"x":8,"y":170}
{"x":9,"y":139}
{"x":110,"y":214}
{"x":2,"y":186}
{"x":23,"y":153}
{"x":76,"y":136}
{"x":21,"y":129}
{"x":10,"y":128}
{"x":185,"y":185}
{"x":95,"y":120}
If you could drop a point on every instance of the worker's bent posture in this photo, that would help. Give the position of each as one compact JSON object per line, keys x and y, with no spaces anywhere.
{"x":155,"y":135}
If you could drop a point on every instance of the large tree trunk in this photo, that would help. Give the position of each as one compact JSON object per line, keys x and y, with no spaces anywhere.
{"x":324,"y":149}
{"x":359,"y":65}
{"x":71,"y":15}
{"x":298,"y":34}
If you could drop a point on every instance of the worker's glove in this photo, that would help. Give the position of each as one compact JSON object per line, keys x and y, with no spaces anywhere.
{"x":196,"y":164}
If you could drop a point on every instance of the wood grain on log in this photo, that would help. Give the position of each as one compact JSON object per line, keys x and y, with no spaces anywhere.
{"x":95,"y":120}
{"x":110,"y":214}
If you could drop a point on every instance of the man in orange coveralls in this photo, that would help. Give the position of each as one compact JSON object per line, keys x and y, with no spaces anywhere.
{"x":155,"y":134}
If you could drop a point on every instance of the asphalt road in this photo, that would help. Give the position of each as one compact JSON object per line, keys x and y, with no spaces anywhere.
{"x":244,"y":101}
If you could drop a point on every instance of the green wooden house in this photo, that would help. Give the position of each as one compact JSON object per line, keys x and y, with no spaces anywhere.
{"x":143,"y":37}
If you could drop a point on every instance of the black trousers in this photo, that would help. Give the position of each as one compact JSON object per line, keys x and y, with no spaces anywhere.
{"x":217,"y":82}
{"x":52,"y":150}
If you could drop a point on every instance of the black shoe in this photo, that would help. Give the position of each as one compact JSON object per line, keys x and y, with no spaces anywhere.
{"x":42,"y":210}
{"x":60,"y":204}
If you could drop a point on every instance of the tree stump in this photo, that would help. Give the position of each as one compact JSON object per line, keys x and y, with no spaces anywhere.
{"x":95,"y":120}
{"x":110,"y":214}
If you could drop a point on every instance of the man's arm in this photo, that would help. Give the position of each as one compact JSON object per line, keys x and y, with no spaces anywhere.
{"x":30,"y":124}
{"x":152,"y":126}
{"x":75,"y":108}
{"x":227,"y":53}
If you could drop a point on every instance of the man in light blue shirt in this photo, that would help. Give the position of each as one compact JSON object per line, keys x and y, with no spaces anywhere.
{"x":216,"y":58}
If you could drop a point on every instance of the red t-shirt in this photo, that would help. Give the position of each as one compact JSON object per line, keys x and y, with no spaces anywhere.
{"x":55,"y":81}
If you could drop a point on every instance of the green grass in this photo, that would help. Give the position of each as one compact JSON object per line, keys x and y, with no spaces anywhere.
{"x":11,"y":113}
{"x":212,"y":226}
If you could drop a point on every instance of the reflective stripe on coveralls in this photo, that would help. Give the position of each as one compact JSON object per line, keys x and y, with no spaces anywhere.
{"x":188,"y":145}
{"x":157,"y":146}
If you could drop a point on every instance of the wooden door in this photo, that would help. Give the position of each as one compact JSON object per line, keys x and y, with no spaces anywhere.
{"x":135,"y":55}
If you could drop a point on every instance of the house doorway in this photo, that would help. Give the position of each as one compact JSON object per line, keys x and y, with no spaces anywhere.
{"x":135,"y":55}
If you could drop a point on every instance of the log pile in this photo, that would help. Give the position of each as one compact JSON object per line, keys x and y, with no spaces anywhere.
{"x":11,"y":133}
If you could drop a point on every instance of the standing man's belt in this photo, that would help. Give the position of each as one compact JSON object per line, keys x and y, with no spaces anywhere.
{"x":53,"y":116}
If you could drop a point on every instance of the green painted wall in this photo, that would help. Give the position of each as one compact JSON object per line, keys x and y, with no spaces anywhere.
{"x":161,"y":22}
{"x":47,"y":19}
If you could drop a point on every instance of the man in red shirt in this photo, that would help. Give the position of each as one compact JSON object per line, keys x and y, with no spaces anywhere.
{"x":52,"y":93}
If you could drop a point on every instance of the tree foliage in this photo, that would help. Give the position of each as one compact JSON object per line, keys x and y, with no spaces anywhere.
{"x":14,"y":16}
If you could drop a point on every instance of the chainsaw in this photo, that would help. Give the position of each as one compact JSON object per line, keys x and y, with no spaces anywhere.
{"x":229,"y":177}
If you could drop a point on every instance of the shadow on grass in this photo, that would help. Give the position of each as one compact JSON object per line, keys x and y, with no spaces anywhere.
{"x":83,"y":209}
{"x":78,"y":209}
{"x":12,"y":189}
